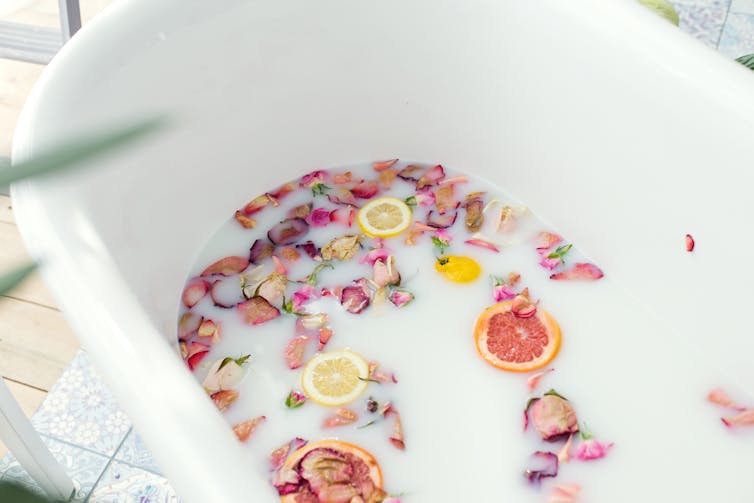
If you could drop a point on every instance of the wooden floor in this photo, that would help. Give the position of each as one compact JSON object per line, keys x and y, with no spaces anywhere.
{"x":35,"y":341}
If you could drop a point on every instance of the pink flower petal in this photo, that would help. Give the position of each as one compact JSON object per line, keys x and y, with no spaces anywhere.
{"x":209,"y":328}
{"x":400,"y":298}
{"x":324,"y":336}
{"x":502,"y":292}
{"x":302,"y":296}
{"x":482,"y":244}
{"x":374,"y":255}
{"x":533,"y":381}
{"x":289,"y":254}
{"x":522,"y":307}
{"x":592,"y":449}
{"x":430,"y":176}
{"x":580,"y":272}
{"x":549,"y":263}
{"x":225,"y":293}
{"x":444,"y":199}
{"x":344,"y":178}
{"x":260,"y":250}
{"x":258,"y":203}
{"x":257,"y":310}
{"x":410,"y":173}
{"x":300,"y":211}
{"x":385,"y":273}
{"x":227,"y":266}
{"x":313,"y":178}
{"x":244,"y":430}
{"x":434,"y":219}
{"x":279,"y":266}
{"x":366,"y":190}
{"x":288,"y":232}
{"x":224,"y":398}
{"x":281,"y":192}
{"x":543,"y":464}
{"x":720,"y":397}
{"x":195,"y":291}
{"x":341,"y":417}
{"x":319,"y":217}
{"x":344,"y":216}
{"x":425,"y":198}
{"x":420,"y":226}
{"x":188,"y":325}
{"x":381,"y":376}
{"x":690,"y":243}
{"x":294,"y":351}
{"x":745,"y":418}
{"x":383,"y":165}
{"x":387,"y":177}
{"x":246,"y":222}
{"x":355,"y":298}
{"x":443,"y":235}
{"x":455,"y":179}
{"x":278,"y":456}
{"x":564,"y":493}
{"x":341,"y":195}
{"x":564,"y":454}
{"x":546,"y":240}
{"x":193,"y":360}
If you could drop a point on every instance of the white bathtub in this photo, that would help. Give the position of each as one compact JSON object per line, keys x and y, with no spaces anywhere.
{"x":613,"y":126}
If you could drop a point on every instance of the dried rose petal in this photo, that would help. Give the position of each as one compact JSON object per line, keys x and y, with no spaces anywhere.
{"x":533,"y":381}
{"x":302,"y":296}
{"x":438,"y":221}
{"x":445,"y":200}
{"x":543,"y":464}
{"x":258,"y":203}
{"x":225,"y":293}
{"x":425,"y":198}
{"x":195,"y":291}
{"x":294,"y":400}
{"x":430,"y":177}
{"x":341,"y":417}
{"x":387,"y":177}
{"x":513,"y":278}
{"x":549,"y":263}
{"x":227,"y":266}
{"x":193,"y":360}
{"x":279,"y":266}
{"x":288,"y":231}
{"x":313,"y":321}
{"x":244,"y":430}
{"x":454,"y":180}
{"x":410,"y":173}
{"x":184,"y":349}
{"x":272,"y":288}
{"x":382,"y":376}
{"x":257,"y":310}
{"x":690,"y":243}
{"x":474,"y":217}
{"x":546,"y":240}
{"x":745,"y":418}
{"x":300,"y":211}
{"x":281,"y":192}
{"x":188,"y":325}
{"x":523,"y":307}
{"x":385,"y":273}
{"x":383,"y":165}
{"x":313,"y":178}
{"x":401,"y":298}
{"x":344,"y":178}
{"x":294,"y":351}
{"x":552,"y":416}
{"x":355,"y":298}
{"x":720,"y":397}
{"x":564,"y":493}
{"x":225,"y":373}
{"x":564,"y":454}
{"x":246,"y":222}
{"x":374,"y":255}
{"x":344,"y":216}
{"x":290,"y":254}
{"x":481,"y":243}
{"x":341,"y":195}
{"x":311,"y":250}
{"x":592,"y":449}
{"x":412,"y":236}
{"x":278,"y":456}
{"x":224,"y":398}
{"x":209,"y":328}
{"x":366,"y":190}
{"x":260,"y":250}
{"x":342,"y":248}
{"x":502,"y":292}
{"x":581,"y":271}
{"x":319,"y":217}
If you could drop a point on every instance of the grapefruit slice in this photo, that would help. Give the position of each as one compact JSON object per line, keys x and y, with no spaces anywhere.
{"x":333,"y":470}
{"x":516,"y":344}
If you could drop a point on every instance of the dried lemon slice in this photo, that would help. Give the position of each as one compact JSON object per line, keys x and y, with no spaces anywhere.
{"x":384,"y":217}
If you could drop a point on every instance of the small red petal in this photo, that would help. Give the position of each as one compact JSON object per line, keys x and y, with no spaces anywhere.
{"x":257,"y":310}
{"x":294,"y":352}
{"x":533,"y":381}
{"x":244,"y":430}
{"x":246,"y":222}
{"x":279,"y":267}
{"x":454,"y":180}
{"x":194,"y":292}
{"x":224,"y":398}
{"x":208,"y":328}
{"x":281,"y":192}
{"x":341,"y":417}
{"x":257,"y":204}
{"x":188,"y":325}
{"x":482,"y":244}
{"x":290,"y":254}
{"x":386,"y":178}
{"x":324,"y":337}
{"x":195,"y":359}
{"x":431,"y":176}
{"x":227,"y":266}
{"x":745,"y":418}
{"x":366,"y":190}
{"x":344,"y":216}
{"x":546,"y":240}
{"x":383,"y":165}
{"x":690,"y":243}
{"x":584,"y":272}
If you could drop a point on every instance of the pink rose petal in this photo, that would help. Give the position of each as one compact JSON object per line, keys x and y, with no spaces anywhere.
{"x":543,"y":464}
{"x":246,"y":222}
{"x":302,"y":296}
{"x":502,"y":292}
{"x":313,"y":178}
{"x":195,"y":291}
{"x":425,"y":198}
{"x":720,"y":397}
{"x":444,"y":200}
{"x":227,"y":266}
{"x":341,"y":417}
{"x":482,"y":244}
{"x":564,"y":454}
{"x":381,"y":376}
{"x":374,"y":255}
{"x":281,"y":192}
{"x":546,"y":240}
{"x":324,"y":336}
{"x":341,"y":195}
{"x":592,"y":449}
{"x":355,"y":298}
{"x":690,"y":243}
{"x":343,"y":216}
{"x":580,"y":272}
{"x":522,"y":307}
{"x":188,"y":325}
{"x":257,"y":310}
{"x":244,"y":430}
{"x":564,"y":493}
{"x":279,"y":266}
{"x":383,"y":165}
{"x":258,"y":203}
{"x":400,"y":298}
{"x":745,"y":418}
{"x":533,"y":381}
{"x":278,"y":456}
{"x":430,"y":177}
{"x":455,"y":179}
{"x":319,"y":217}
{"x":294,"y":351}
{"x":549,"y":263}
{"x":366,"y":190}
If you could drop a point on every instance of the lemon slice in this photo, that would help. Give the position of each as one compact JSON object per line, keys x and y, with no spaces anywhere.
{"x":384,"y":217}
{"x":335,"y":377}
{"x":458,"y":268}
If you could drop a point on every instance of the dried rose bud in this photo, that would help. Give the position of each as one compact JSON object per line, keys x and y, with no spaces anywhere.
{"x":552,"y":416}
{"x":372,"y":405}
{"x":294,"y":400}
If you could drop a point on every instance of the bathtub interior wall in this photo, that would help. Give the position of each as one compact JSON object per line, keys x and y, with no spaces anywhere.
{"x":536,"y":97}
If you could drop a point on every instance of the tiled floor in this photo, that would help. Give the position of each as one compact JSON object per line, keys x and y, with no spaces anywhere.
{"x":79,"y":419}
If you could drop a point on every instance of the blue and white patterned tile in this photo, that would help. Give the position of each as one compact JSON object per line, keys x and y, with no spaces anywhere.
{"x":134,"y":452}
{"x":84,"y":468}
{"x":80,"y":410}
{"x":123,"y":483}
{"x":738,"y":35}
{"x":702,"y":21}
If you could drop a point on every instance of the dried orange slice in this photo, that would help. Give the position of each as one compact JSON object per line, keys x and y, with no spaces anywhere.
{"x":513,"y":343}
{"x":334,"y":471}
{"x":384,"y":217}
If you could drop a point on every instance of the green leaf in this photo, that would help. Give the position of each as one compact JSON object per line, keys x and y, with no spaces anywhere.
{"x":9,"y":280}
{"x":561,"y":252}
{"x":15,"y":493}
{"x":319,"y":189}
{"x":555,"y":393}
{"x":410,"y":200}
{"x":747,"y":61}
{"x":312,"y":278}
{"x":73,"y":152}
{"x":663,"y":8}
{"x":223,"y":363}
{"x":242,"y":360}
